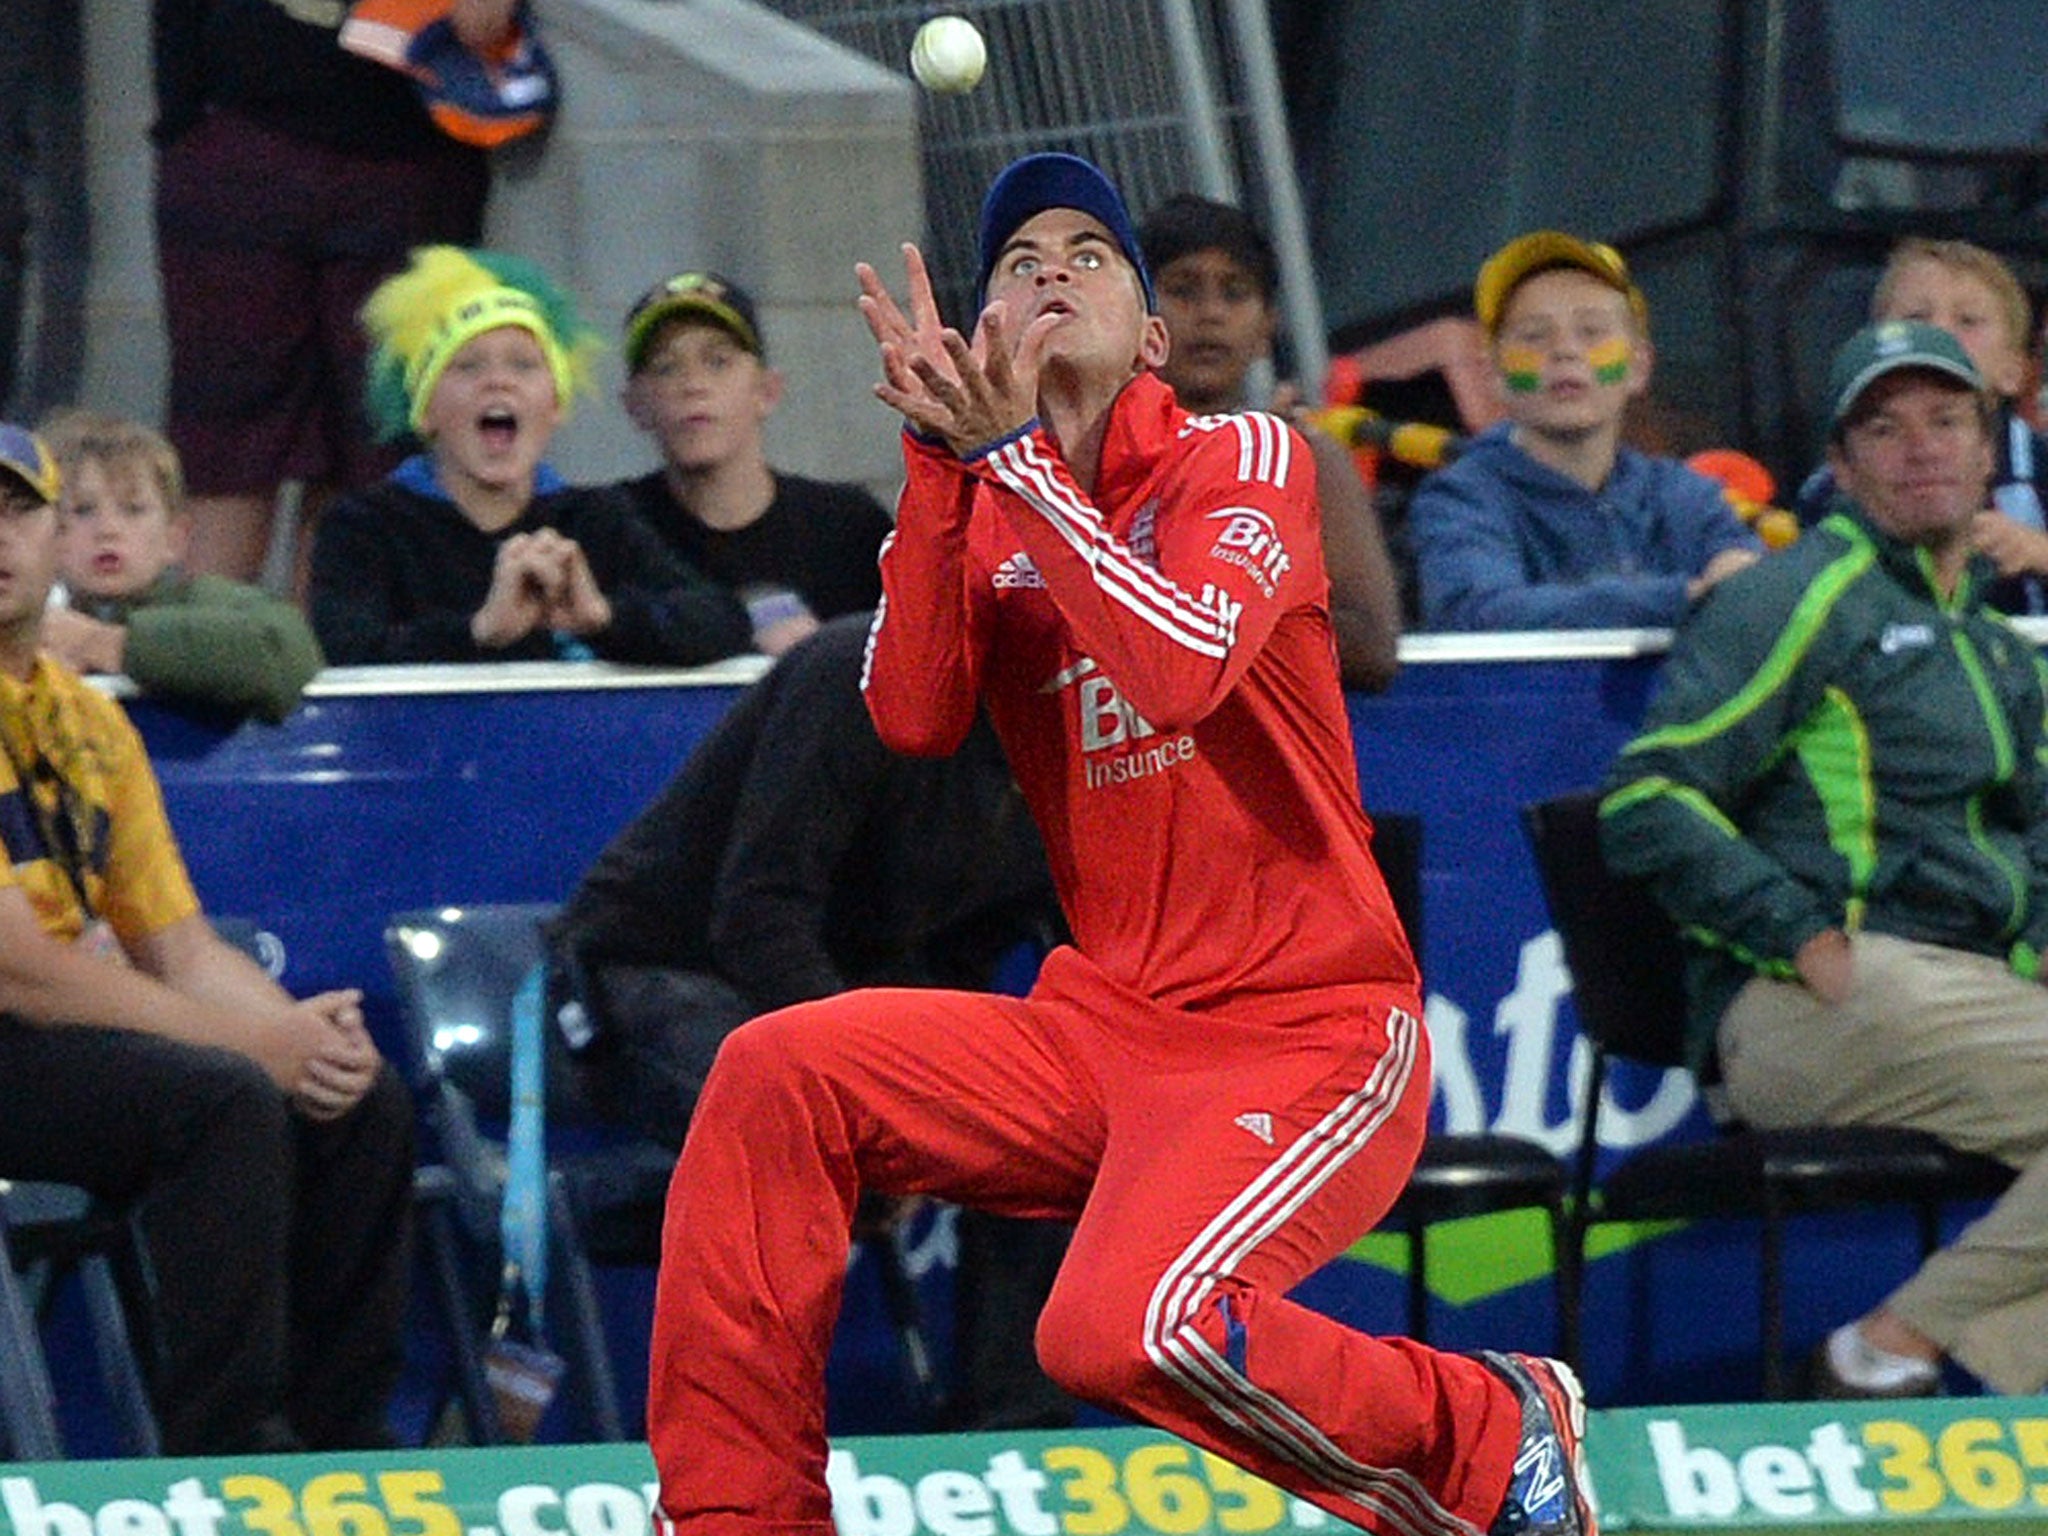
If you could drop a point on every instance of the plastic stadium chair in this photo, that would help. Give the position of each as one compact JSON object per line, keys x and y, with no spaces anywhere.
{"x":436,"y":1208}
{"x":1627,"y":968}
{"x":457,"y":970}
{"x":49,"y":1232}
{"x":28,"y":1402}
{"x":1470,"y":1174}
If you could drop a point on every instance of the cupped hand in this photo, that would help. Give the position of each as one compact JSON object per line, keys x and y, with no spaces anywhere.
{"x":969,"y":393}
{"x":522,"y":579}
{"x":576,"y":604}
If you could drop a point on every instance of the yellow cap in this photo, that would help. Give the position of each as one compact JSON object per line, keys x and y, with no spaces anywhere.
{"x":1522,"y":258}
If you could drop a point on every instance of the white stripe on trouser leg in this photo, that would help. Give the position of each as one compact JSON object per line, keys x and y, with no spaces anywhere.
{"x":1272,"y":1199}
{"x":1252,"y":1217}
{"x":1179,"y":1349}
{"x":1173,"y":1340}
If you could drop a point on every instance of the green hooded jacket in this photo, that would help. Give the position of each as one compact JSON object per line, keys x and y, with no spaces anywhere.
{"x":216,"y":644}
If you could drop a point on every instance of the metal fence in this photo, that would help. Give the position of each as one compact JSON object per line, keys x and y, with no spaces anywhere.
{"x":1166,"y":95}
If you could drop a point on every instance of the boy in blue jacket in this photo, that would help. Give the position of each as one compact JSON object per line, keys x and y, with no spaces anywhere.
{"x":1547,"y":521}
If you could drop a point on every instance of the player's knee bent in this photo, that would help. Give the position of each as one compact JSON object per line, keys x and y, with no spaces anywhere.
{"x":1118,"y":1352}
{"x":773,"y":1053}
{"x":759,"y":1050}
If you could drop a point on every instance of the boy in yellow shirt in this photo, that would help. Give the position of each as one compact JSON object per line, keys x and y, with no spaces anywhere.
{"x":265,"y":1143}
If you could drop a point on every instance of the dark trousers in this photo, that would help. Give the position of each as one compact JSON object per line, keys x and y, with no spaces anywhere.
{"x":662,"y":1028}
{"x":278,"y":1248}
{"x":1007,"y":1267}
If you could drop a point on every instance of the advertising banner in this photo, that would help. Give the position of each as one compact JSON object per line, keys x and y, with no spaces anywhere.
{"x":1970,"y":1467}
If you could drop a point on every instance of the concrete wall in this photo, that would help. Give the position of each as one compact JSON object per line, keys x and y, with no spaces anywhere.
{"x":693,"y":133}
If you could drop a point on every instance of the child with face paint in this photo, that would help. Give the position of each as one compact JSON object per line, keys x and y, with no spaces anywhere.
{"x":1547,"y":521}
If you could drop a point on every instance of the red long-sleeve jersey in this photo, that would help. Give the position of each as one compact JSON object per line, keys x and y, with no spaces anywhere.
{"x":1158,"y":660}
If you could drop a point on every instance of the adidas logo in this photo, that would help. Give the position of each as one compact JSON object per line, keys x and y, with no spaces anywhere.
{"x":1258,"y":1123}
{"x":1017,"y":571}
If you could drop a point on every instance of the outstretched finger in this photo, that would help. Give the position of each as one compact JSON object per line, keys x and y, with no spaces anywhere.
{"x":992,"y":342}
{"x":905,"y":387}
{"x":897,"y":370}
{"x":885,"y":321}
{"x":924,"y":307}
{"x":920,"y":410}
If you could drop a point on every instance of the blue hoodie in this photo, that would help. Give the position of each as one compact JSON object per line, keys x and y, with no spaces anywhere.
{"x":1504,"y":542}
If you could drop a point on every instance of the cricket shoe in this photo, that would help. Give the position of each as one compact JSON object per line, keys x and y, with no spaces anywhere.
{"x":1547,"y":1492}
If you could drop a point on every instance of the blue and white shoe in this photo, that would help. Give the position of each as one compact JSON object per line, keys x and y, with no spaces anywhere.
{"x":1547,"y":1494}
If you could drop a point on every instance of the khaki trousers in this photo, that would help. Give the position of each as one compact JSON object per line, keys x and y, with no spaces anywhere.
{"x":1941,"y":1041}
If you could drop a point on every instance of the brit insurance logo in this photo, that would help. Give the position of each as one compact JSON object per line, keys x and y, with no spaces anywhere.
{"x":1118,"y":745}
{"x":1250,"y":540}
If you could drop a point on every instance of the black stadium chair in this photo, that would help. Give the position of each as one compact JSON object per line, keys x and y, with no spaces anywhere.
{"x":1627,"y":966}
{"x":1472,"y":1174}
{"x":48,"y":1233}
{"x":457,"y":971}
{"x":28,"y":1401}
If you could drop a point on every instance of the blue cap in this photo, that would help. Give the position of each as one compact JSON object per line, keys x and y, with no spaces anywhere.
{"x":27,"y":457}
{"x":1037,"y":182}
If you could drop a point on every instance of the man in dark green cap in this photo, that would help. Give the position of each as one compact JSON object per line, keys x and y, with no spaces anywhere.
{"x":1838,"y":794}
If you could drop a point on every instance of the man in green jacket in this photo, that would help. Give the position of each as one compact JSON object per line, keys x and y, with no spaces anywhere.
{"x":1838,"y":795}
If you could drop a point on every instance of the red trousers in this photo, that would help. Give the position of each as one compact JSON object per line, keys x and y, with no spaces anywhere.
{"x":1210,"y":1164}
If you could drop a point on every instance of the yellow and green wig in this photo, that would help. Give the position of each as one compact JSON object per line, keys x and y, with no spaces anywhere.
{"x":419,"y":319}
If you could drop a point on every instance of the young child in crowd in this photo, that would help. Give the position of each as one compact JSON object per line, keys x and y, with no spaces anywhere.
{"x":122,"y":531}
{"x":1547,"y":521}
{"x":1973,"y":295}
{"x":474,"y":549}
{"x":1216,"y":277}
{"x":795,"y":551}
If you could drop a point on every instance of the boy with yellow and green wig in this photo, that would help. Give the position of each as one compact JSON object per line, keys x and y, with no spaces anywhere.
{"x":474,"y":549}
{"x":1548,"y":521}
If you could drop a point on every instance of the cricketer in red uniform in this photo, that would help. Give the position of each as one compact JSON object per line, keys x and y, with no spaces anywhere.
{"x":1224,"y":1081}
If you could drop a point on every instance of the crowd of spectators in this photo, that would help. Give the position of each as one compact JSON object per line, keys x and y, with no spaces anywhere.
{"x":334,"y":325}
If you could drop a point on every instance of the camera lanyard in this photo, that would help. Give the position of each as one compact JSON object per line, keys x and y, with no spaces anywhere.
{"x":522,"y":1224}
{"x":67,"y":827}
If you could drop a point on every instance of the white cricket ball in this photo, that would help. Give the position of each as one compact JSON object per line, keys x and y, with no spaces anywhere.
{"x":948,"y":55}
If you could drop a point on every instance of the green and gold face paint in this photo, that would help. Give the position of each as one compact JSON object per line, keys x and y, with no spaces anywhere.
{"x":1609,"y":360}
{"x":1521,"y":369}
